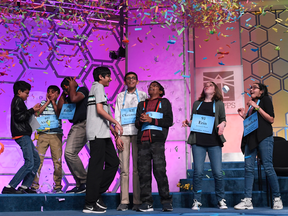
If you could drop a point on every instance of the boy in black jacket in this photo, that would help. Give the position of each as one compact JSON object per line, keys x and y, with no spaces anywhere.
{"x":153,"y":118}
{"x":21,"y":132}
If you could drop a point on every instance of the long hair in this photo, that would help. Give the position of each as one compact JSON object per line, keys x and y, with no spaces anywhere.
{"x":263,"y":88}
{"x":217,"y":96}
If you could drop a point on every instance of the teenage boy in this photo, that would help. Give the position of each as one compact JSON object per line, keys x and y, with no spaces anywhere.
{"x":153,"y":118}
{"x":50,"y":134}
{"x":125,"y":113}
{"x":102,"y":151}
{"x":21,"y":132}
{"x":73,"y":94}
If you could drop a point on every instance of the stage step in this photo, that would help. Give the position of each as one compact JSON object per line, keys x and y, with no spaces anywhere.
{"x":230,"y":172}
{"x":227,"y":165}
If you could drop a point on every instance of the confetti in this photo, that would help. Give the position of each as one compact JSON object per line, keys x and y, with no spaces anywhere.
{"x":177,"y":71}
{"x":221,"y":63}
{"x":186,"y":76}
{"x":204,"y":58}
{"x":254,"y":50}
{"x":138,"y":29}
{"x":171,"y":41}
{"x":277,"y":48}
{"x":190,"y":51}
{"x":1,"y":148}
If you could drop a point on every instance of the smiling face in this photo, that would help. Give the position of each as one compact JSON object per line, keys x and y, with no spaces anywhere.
{"x":131,"y":81}
{"x":255,"y":91}
{"x":209,"y":88}
{"x":154,"y":90}
{"x":24,"y":95}
{"x":105,"y":80}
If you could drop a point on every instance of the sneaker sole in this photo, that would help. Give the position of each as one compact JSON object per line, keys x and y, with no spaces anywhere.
{"x":251,"y":207}
{"x":90,"y":211}
{"x":277,"y":208}
{"x":167,"y":210}
{"x":146,"y":210}
{"x":79,"y":192}
{"x":223,"y":208}
{"x":121,"y":209}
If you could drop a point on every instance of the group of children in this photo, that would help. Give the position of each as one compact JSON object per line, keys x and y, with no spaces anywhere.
{"x":139,"y":121}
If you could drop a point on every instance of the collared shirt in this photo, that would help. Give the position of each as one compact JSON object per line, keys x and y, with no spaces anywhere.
{"x":130,"y":101}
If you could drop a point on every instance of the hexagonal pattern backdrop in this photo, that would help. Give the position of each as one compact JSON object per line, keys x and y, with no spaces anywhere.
{"x":265,"y":59}
{"x":42,"y":54}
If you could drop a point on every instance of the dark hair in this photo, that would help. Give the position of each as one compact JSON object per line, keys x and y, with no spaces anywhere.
{"x":217,"y":96}
{"x":54,"y":87}
{"x":161,"y":88}
{"x":103,"y":71}
{"x":22,"y":86}
{"x":65,"y":82}
{"x":131,"y":73}
{"x":263,"y":88}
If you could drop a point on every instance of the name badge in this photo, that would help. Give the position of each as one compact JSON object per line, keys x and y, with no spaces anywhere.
{"x":147,"y":126}
{"x":128,"y":115}
{"x":202,"y":123}
{"x":68,"y":111}
{"x":250,"y":123}
{"x":49,"y":121}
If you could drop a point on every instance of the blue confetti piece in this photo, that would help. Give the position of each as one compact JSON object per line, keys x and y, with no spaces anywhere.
{"x":186,"y":76}
{"x":252,"y":79}
{"x":247,"y":156}
{"x":171,"y":41}
{"x":138,"y":29}
{"x":248,"y":94}
{"x":199,"y":191}
{"x":248,"y":19}
{"x":204,"y":58}
{"x":177,"y":71}
{"x":254,"y":50}
{"x":148,"y":14}
{"x":219,"y":33}
{"x":221,"y":63}
{"x":233,"y":42}
{"x":190,"y":51}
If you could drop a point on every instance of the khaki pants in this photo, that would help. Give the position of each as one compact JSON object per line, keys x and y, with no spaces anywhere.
{"x":75,"y":142}
{"x":55,"y":143}
{"x":124,"y":157}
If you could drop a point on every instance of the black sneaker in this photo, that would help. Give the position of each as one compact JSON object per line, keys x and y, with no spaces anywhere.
{"x":11,"y":190}
{"x":136,"y":207}
{"x":145,"y":207}
{"x":93,"y":209}
{"x":100,"y":203}
{"x":27,"y":190}
{"x":57,"y":191}
{"x":167,"y":207}
{"x":74,"y":190}
{"x":81,"y":189}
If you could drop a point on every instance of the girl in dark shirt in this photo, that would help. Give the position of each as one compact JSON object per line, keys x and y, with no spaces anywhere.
{"x":208,"y":105}
{"x":259,"y":141}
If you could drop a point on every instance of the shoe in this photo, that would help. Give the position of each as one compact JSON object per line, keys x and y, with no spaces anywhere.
{"x":145,"y":207}
{"x":57,"y":191}
{"x":122,"y":207}
{"x":167,"y":207}
{"x":245,"y":203}
{"x":196,"y":205}
{"x":136,"y":207}
{"x":27,"y":190}
{"x":78,"y":190}
{"x":11,"y":190}
{"x":277,"y":203}
{"x":93,"y":209}
{"x":222,"y":204}
{"x":100,"y":203}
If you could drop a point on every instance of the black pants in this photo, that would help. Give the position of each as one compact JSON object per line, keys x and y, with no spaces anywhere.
{"x":99,"y":179}
{"x":148,"y":152}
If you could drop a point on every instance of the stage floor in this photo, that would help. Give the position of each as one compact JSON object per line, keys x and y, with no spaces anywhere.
{"x":177,"y":211}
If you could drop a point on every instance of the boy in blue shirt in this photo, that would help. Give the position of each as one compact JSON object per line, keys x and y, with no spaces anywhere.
{"x":50,"y":134}
{"x":21,"y":132}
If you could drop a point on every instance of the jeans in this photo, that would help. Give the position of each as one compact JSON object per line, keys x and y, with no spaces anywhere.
{"x":32,"y":161}
{"x":265,"y":150}
{"x":215,"y":156}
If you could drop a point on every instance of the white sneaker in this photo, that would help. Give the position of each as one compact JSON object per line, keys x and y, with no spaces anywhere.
{"x":245,"y":203}
{"x":196,"y":205}
{"x":222,"y":204}
{"x":277,"y":203}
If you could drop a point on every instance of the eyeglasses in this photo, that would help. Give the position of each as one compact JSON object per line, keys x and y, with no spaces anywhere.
{"x":131,"y":78}
{"x":254,"y":87}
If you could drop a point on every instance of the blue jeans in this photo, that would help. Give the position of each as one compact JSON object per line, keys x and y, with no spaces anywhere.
{"x":215,"y":156}
{"x":265,"y":149}
{"x":32,"y":161}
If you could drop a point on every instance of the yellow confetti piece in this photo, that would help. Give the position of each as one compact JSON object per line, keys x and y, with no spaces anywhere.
{"x":200,"y":46}
{"x":275,"y":29}
{"x":45,"y":72}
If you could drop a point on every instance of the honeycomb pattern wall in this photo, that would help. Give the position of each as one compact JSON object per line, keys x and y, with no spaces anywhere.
{"x":42,"y":53}
{"x":264,"y":39}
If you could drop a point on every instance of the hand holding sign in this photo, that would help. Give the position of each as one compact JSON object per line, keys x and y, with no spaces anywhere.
{"x":186,"y":123}
{"x":145,"y":118}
